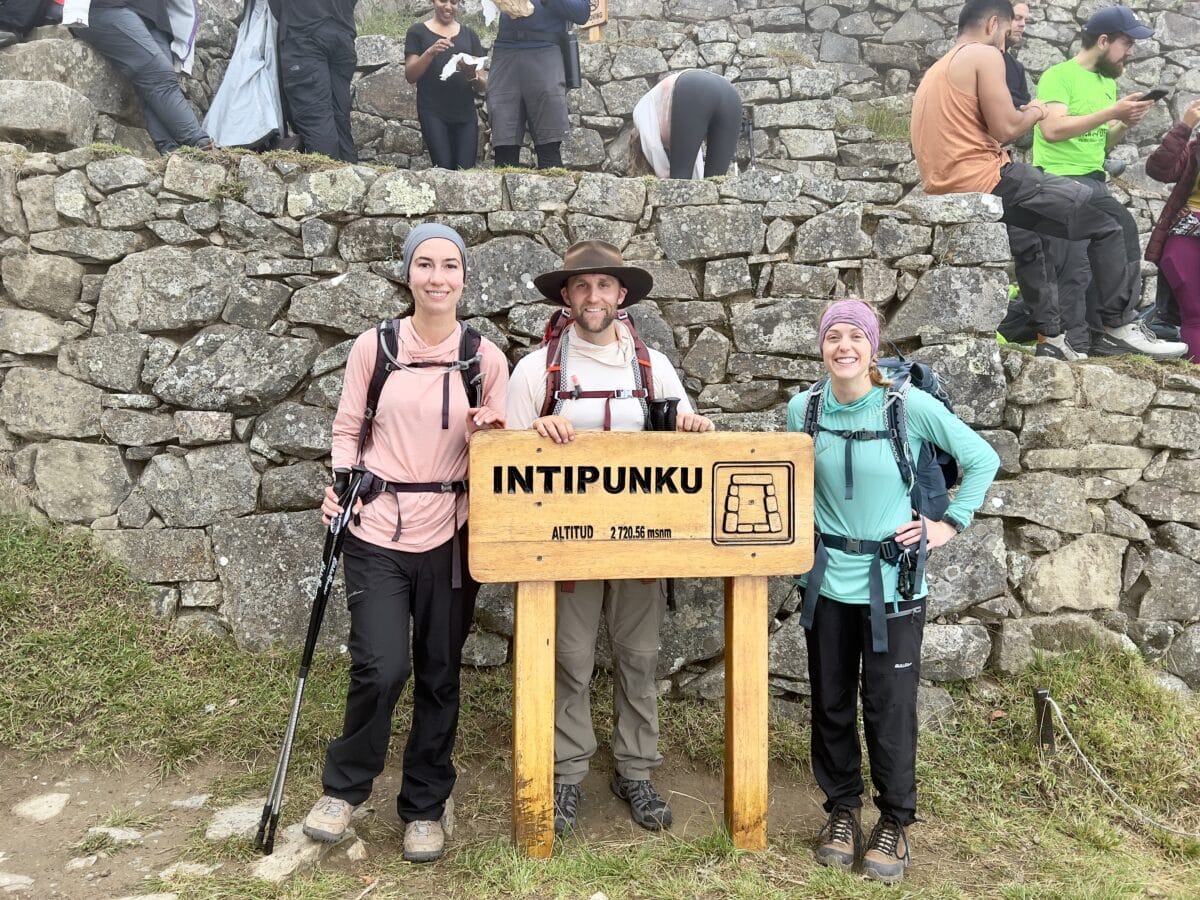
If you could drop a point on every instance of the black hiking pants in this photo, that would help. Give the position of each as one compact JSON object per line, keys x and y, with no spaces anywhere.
{"x":1065,"y":208}
{"x":841,"y":665}
{"x":316,"y":65}
{"x":385,"y":590}
{"x":705,"y":108}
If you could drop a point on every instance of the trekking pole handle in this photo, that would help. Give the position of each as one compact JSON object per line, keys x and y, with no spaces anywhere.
{"x":346,"y":483}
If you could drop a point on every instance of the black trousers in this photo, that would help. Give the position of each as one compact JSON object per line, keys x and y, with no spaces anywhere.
{"x":385,"y":590}
{"x":1064,"y":208}
{"x":704,"y":108}
{"x":316,"y":67}
{"x":839,"y":655}
{"x":452,"y":145}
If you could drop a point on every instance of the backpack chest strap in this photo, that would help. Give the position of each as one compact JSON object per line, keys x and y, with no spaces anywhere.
{"x":606,"y":396}
{"x":850,"y":437}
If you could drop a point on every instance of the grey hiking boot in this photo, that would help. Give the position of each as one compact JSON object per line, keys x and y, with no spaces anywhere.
{"x":328,"y":820}
{"x":424,"y":841}
{"x":1057,"y":347}
{"x":566,"y":807}
{"x":646,"y":805}
{"x":887,"y":853}
{"x":840,"y":840}
{"x":1136,"y":338}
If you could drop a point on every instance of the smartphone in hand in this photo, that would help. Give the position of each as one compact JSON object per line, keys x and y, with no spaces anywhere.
{"x":1156,"y":94}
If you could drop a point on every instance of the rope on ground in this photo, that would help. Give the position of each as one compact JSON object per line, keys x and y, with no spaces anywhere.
{"x":1112,"y":791}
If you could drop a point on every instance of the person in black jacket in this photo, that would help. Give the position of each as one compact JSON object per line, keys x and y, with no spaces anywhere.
{"x":527,"y":86}
{"x":316,"y":62}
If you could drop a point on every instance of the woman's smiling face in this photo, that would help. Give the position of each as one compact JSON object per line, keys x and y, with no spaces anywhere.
{"x":435,"y":275}
{"x":846,"y":352}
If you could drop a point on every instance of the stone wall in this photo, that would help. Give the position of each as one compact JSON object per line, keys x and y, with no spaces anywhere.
{"x":172,"y":337}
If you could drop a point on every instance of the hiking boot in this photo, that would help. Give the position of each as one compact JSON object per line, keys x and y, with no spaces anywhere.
{"x":328,"y":820}
{"x":424,"y":841}
{"x":1136,"y":338}
{"x":646,"y":805}
{"x":887,"y":853}
{"x":1057,"y":347}
{"x":566,"y":807}
{"x":840,"y":839}
{"x":8,"y":38}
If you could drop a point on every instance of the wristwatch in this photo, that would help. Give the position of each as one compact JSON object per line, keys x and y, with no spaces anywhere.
{"x":954,"y":523}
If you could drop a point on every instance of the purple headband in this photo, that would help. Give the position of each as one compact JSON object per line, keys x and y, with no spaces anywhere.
{"x":851,"y":312}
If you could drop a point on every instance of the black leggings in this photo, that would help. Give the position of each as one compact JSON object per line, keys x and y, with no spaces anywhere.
{"x":549,"y":156}
{"x":452,"y":145}
{"x":704,"y":108}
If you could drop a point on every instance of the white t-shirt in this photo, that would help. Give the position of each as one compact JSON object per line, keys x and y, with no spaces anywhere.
{"x":598,"y":367}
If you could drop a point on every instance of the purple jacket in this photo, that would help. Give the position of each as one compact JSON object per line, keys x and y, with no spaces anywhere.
{"x":1177,"y":160}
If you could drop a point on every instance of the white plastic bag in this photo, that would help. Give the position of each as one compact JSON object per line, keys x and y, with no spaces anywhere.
{"x":246,"y":108}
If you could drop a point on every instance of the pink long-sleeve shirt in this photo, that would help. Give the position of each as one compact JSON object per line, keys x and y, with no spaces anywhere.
{"x":407,"y":442}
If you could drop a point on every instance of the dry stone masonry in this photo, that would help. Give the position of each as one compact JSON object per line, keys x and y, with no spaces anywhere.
{"x":173,"y":332}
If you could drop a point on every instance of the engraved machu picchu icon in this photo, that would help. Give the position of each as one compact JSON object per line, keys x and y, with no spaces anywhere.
{"x":751,"y":503}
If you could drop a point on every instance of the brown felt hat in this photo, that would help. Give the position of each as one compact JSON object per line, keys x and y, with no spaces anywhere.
{"x":598,"y":257}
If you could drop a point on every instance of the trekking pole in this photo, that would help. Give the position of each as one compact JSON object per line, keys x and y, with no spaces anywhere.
{"x":334,"y":537}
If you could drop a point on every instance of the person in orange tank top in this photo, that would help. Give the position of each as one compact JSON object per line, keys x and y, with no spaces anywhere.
{"x":963,"y":113}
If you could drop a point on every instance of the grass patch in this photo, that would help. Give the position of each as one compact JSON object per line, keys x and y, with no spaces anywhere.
{"x":887,"y":124}
{"x":790,"y":57}
{"x":105,"y":150}
{"x":85,"y":670}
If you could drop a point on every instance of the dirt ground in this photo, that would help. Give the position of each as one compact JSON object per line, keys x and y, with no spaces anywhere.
{"x":45,"y":852}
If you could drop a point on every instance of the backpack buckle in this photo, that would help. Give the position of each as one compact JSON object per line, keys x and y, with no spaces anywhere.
{"x":622,"y":394}
{"x":447,"y":487}
{"x":853,"y":545}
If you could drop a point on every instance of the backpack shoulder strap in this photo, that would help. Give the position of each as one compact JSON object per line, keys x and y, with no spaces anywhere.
{"x":895,"y":416}
{"x":472,"y":375}
{"x":641,"y":352}
{"x":387,"y":345}
{"x":812,"y":409}
{"x":552,"y":341}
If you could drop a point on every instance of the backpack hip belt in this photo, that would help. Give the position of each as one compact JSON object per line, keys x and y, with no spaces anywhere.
{"x":880,"y":551}
{"x":373,"y":486}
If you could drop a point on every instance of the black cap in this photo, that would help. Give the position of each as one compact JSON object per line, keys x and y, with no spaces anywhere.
{"x":1112,"y":19}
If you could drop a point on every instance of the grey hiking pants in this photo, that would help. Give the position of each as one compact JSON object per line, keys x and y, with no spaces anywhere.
{"x":142,"y":54}
{"x":634,"y":616}
{"x":1063,"y":208}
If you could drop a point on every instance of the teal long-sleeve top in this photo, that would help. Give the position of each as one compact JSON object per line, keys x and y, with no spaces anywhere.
{"x":881,"y":502}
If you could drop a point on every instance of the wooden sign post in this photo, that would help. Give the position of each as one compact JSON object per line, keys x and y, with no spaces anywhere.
{"x":640,"y":505}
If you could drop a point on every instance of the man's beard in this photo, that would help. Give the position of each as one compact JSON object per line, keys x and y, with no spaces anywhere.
{"x":1110,"y":69}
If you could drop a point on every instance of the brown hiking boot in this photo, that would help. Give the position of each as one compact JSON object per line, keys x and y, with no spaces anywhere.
{"x":887,"y":853}
{"x":840,"y":839}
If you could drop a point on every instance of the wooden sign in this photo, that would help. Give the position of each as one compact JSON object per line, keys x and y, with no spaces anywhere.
{"x":599,"y":13}
{"x":639,"y":505}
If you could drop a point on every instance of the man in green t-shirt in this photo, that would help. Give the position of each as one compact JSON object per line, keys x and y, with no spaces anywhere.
{"x":1084,"y":118}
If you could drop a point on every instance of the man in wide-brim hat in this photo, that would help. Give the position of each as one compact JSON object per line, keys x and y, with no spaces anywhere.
{"x":604,"y":376}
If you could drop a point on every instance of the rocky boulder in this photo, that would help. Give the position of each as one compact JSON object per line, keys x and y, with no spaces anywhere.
{"x":45,"y":115}
{"x":79,"y":482}
{"x":204,"y":486}
{"x":1085,"y":575}
{"x":268,"y":568}
{"x":228,"y":368}
{"x":38,"y":404}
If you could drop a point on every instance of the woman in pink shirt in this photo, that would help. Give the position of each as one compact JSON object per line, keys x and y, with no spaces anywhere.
{"x":405,"y":556}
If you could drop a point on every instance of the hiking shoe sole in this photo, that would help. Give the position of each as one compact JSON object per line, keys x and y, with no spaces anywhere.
{"x":835,"y":859}
{"x":325,"y":837}
{"x":893,"y":874}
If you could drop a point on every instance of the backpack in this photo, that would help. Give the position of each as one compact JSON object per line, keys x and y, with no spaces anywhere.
{"x":468,"y":365}
{"x":935,"y":471}
{"x":556,"y":394}
{"x":928,"y":478}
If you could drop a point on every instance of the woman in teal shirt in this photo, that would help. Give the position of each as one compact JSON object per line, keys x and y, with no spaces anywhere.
{"x":862,"y":504}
